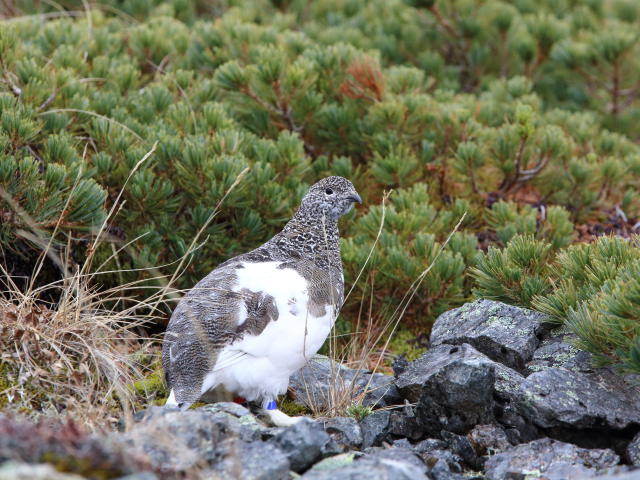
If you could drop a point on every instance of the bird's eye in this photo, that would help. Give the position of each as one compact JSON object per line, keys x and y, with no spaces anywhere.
{"x":328,"y":191}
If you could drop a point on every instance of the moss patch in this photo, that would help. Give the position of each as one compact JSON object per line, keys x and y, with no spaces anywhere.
{"x":291,"y":408}
{"x":405,"y":343}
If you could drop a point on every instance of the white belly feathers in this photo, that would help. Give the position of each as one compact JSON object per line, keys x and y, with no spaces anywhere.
{"x":259,"y":364}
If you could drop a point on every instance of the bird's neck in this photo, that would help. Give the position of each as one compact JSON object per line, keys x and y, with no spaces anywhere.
{"x":315,"y":237}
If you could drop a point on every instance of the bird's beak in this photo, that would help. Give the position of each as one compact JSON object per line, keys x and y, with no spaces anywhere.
{"x":354,"y":197}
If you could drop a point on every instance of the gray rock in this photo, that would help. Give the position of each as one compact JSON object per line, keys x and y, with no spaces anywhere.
{"x":506,"y":334}
{"x":312,"y":385}
{"x":429,"y":444}
{"x":461,"y":446}
{"x":413,"y":379}
{"x":518,"y":428}
{"x":557,"y":397}
{"x":549,"y":459}
{"x":442,"y":461}
{"x":345,"y":431}
{"x":633,"y":451}
{"x":400,"y":455}
{"x":621,"y":473}
{"x":402,"y":443}
{"x":140,"y":476}
{"x":332,"y":448}
{"x":440,"y":471}
{"x":399,"y":365}
{"x":342,"y":464}
{"x":257,"y":460}
{"x":25,"y":471}
{"x":233,"y":416}
{"x":302,"y":443}
{"x":442,"y":464}
{"x":403,"y":423}
{"x":375,"y":428}
{"x":488,"y":439}
{"x":206,"y":439}
{"x":453,"y":388}
{"x":175,"y":441}
{"x":389,"y":464}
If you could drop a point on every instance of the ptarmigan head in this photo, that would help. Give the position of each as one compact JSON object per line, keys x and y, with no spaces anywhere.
{"x":331,"y":197}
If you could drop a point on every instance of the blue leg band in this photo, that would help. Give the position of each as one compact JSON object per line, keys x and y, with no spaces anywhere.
{"x":271,"y":405}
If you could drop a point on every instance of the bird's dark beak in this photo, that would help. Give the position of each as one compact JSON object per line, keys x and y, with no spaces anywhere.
{"x":355,"y":198}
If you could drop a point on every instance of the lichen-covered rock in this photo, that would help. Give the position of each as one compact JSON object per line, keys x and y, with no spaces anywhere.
{"x":506,"y":334}
{"x":389,"y":464}
{"x":452,"y":387}
{"x":311,"y":385}
{"x":557,"y":397}
{"x":345,"y":431}
{"x":548,"y":459}
{"x":375,"y":428}
{"x":558,"y":351}
{"x":302,"y":443}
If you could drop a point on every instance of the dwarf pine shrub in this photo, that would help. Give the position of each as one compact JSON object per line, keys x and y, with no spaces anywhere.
{"x":518,"y":113}
{"x":592,"y":288}
{"x":411,"y":235}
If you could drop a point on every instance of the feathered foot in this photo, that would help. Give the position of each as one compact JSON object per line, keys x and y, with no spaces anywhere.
{"x":277,"y":417}
{"x":280,"y":419}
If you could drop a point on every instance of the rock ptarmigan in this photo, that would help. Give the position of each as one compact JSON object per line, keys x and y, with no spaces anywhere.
{"x":259,"y":317}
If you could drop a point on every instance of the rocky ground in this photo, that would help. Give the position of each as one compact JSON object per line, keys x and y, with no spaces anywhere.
{"x":498,"y":396}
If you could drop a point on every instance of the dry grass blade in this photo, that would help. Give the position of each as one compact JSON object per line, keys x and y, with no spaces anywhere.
{"x":81,"y":355}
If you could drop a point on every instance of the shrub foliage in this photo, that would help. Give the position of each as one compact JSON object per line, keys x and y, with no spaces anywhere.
{"x":518,"y":113}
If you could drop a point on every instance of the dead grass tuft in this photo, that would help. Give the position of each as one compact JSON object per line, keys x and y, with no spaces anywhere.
{"x":78,"y":356}
{"x":83,"y":354}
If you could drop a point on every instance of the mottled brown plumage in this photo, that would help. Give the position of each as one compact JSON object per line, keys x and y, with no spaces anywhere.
{"x":220,"y":322}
